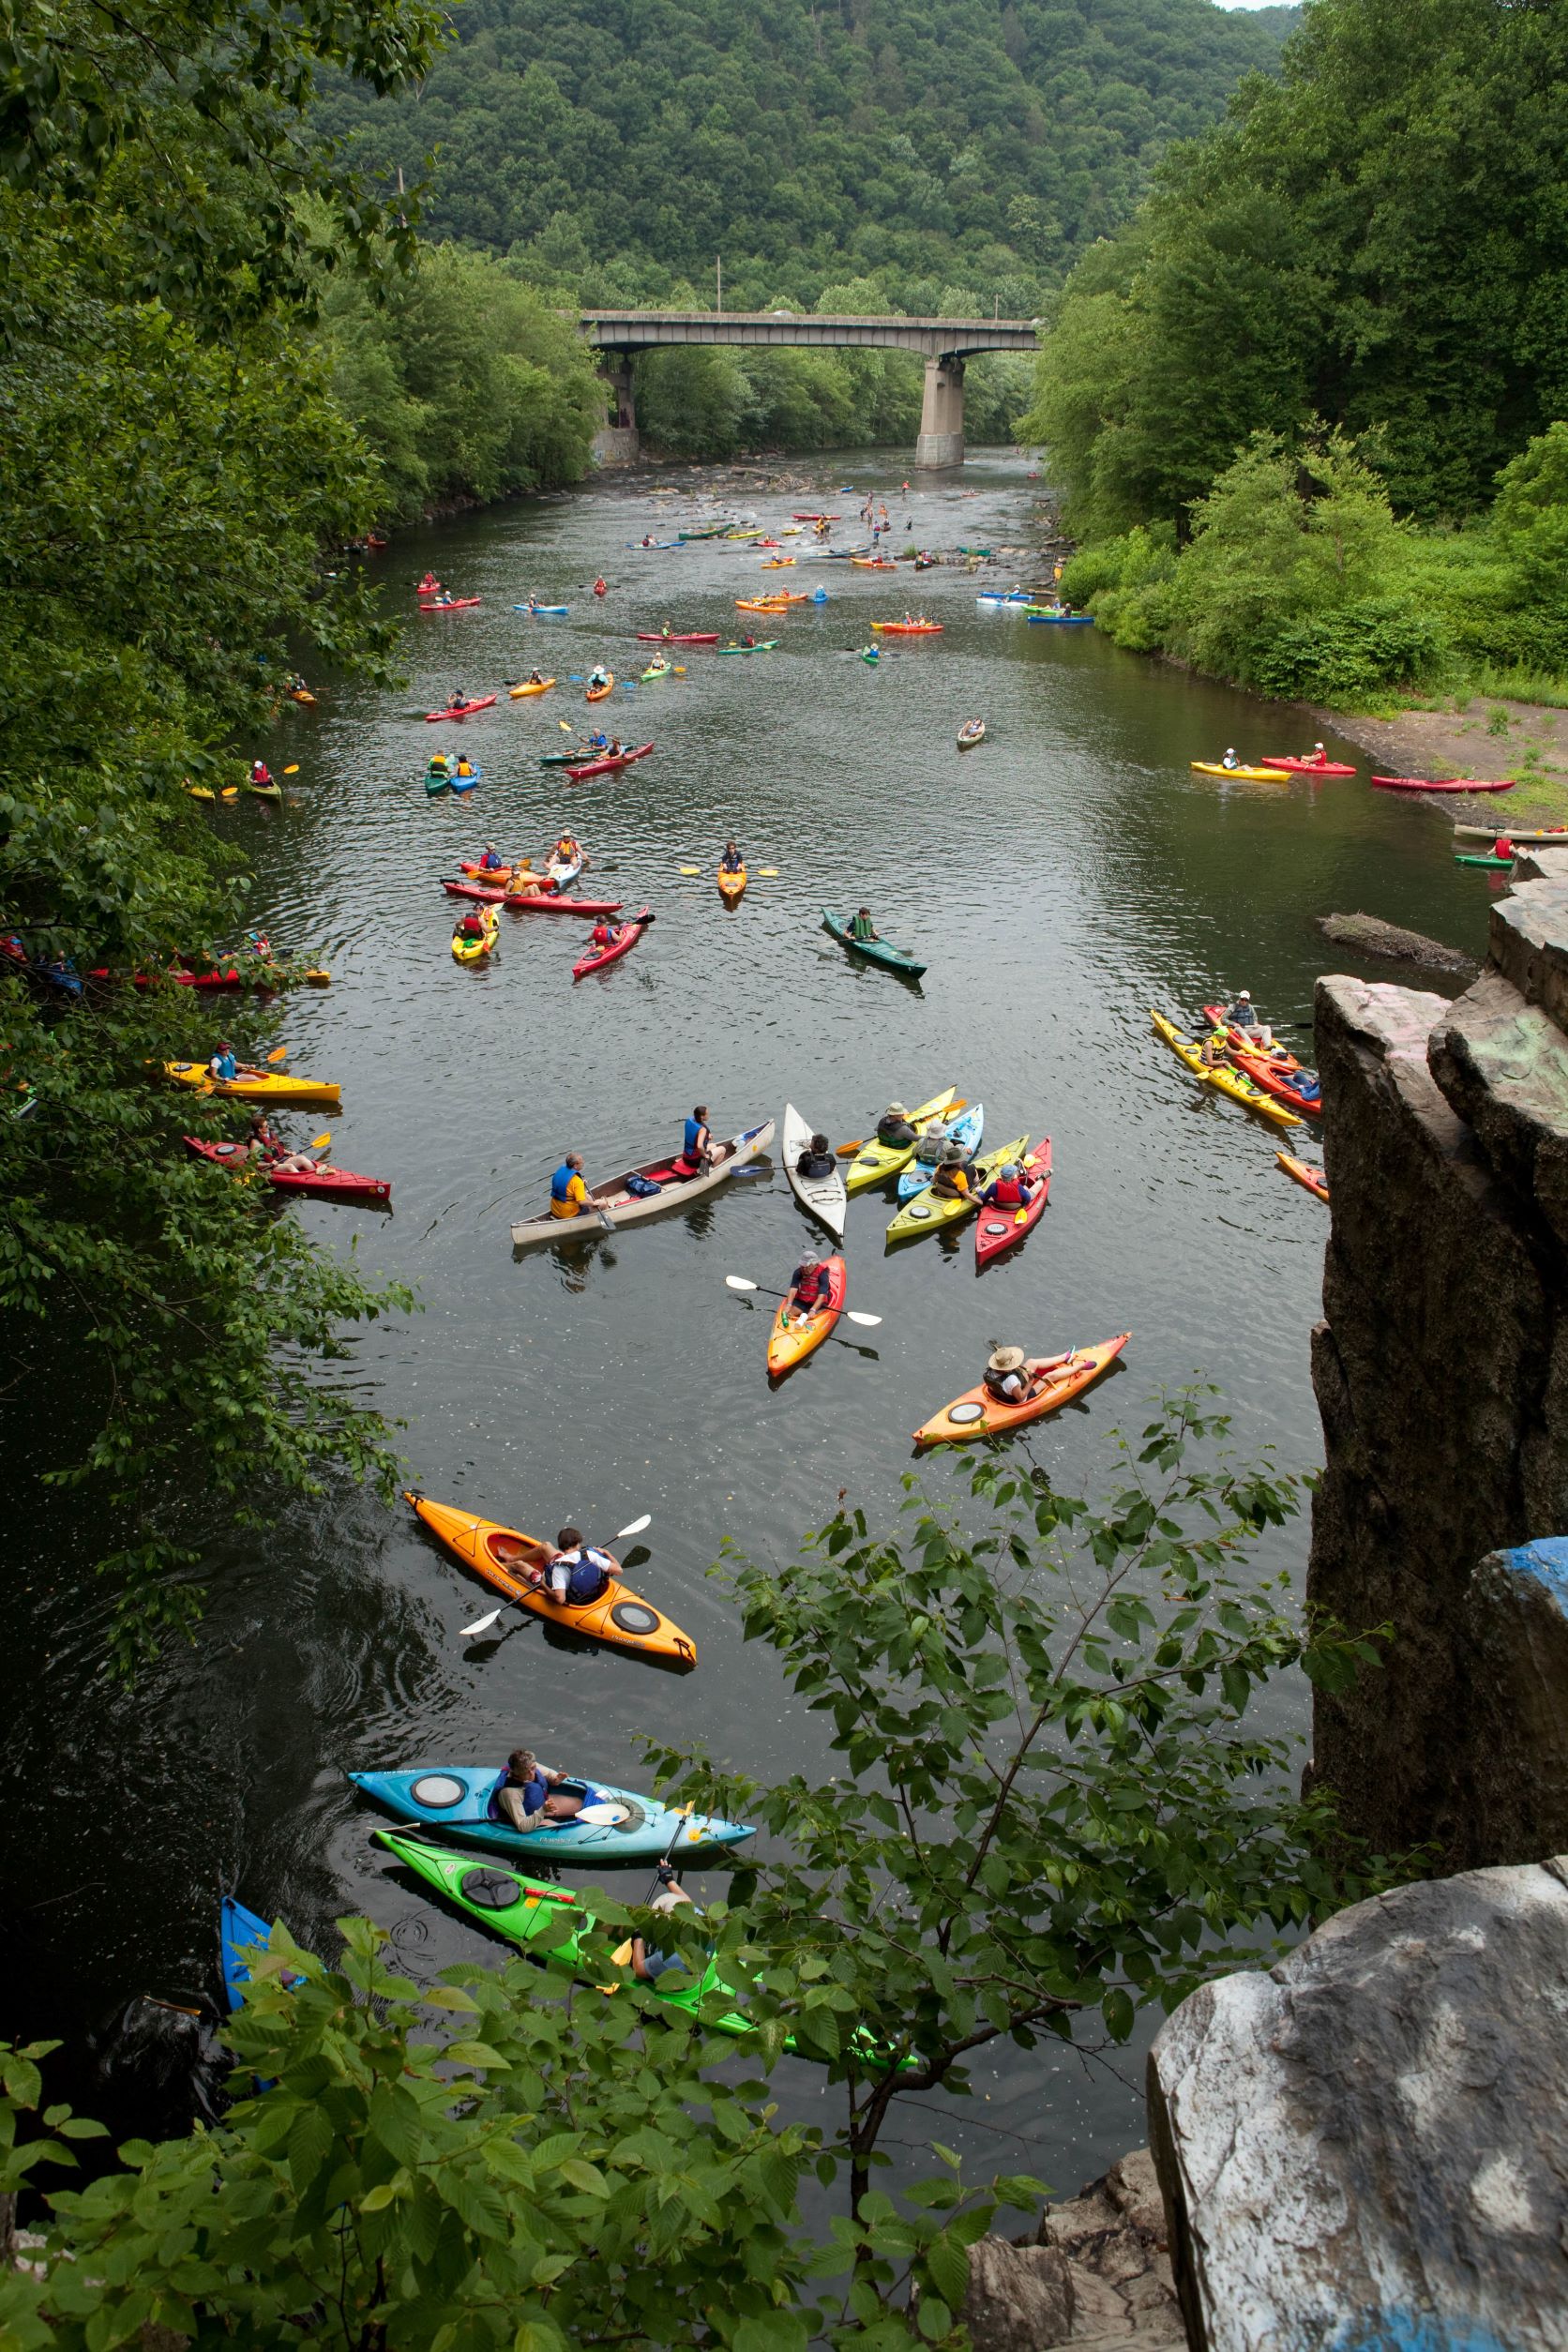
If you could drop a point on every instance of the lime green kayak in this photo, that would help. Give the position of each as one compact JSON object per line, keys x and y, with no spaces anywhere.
{"x":929,"y":1211}
{"x":874,"y":1163}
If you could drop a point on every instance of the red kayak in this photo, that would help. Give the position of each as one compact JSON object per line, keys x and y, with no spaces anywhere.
{"x":1310,"y":767}
{"x":462,"y":710}
{"x":1455,"y":784}
{"x":998,"y":1229}
{"x":621,"y":945}
{"x":1275,"y":1081}
{"x":447,"y":604}
{"x":693,"y":637}
{"x":609,"y":766}
{"x":552,"y":902}
{"x":325,"y":1183}
{"x":484,"y":892}
{"x":230,"y":979}
{"x":1281,"y":1060}
{"x":816,"y":518}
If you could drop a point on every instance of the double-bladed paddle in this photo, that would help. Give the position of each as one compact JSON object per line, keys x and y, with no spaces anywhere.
{"x":483,"y":1624}
{"x":739,"y":1282}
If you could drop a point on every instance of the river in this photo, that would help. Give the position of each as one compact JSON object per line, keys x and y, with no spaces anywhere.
{"x":1060,"y":881}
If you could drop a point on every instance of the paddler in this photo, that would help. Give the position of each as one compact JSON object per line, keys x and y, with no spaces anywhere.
{"x":862,"y":927}
{"x":1009,"y":1188}
{"x":580,"y":1572}
{"x":528,"y":1791}
{"x":648,"y":1964}
{"x":817,"y":1160}
{"x":492,"y":861}
{"x":951,"y":1180}
{"x":263,"y":1143}
{"x":430,"y":585}
{"x":894,"y":1128}
{"x":472,"y":925}
{"x":731,"y":862}
{"x":568,"y":850}
{"x":810,"y":1288}
{"x":604,"y":935}
{"x":600,"y":588}
{"x":568,"y":1193}
{"x":1230,"y":759}
{"x":224,"y":1069}
{"x":535,"y":677}
{"x":697,"y":1150}
{"x":465,"y":765}
{"x":1243,"y":1014}
{"x":259,"y":772}
{"x":1007,"y":1375}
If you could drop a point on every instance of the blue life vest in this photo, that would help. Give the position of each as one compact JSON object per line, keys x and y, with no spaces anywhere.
{"x":589,"y":1573}
{"x":225,"y":1067}
{"x":561,"y":1183}
{"x":693,"y":1129}
{"x":534,"y":1792}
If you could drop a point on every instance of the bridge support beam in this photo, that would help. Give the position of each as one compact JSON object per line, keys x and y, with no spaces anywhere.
{"x":941,"y":415}
{"x":618,"y":442}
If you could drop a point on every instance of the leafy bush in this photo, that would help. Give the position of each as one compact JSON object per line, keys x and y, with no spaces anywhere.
{"x":1347,"y":655}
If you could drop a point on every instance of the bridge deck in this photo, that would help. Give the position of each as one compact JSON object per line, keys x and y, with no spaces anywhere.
{"x":931,"y":338}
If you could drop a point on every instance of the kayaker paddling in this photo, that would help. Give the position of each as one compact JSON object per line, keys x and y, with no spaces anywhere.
{"x":491,"y":860}
{"x":1009,"y":1188}
{"x":894,"y":1128}
{"x":577,"y":1572}
{"x":259,"y":772}
{"x":568,"y":1191}
{"x":224,"y":1069}
{"x":862,"y":927}
{"x":809,"y":1289}
{"x":817,"y":1160}
{"x":528,"y":1791}
{"x":731,"y":862}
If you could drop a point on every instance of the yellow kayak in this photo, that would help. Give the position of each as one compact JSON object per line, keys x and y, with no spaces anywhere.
{"x":929,"y":1211}
{"x":875,"y":1162}
{"x":518,"y":692}
{"x":1225,"y":1080}
{"x":472,"y":951}
{"x":274,"y":1088}
{"x":1251,"y":776}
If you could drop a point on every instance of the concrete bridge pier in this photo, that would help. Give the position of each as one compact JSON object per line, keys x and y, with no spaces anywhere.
{"x":942,"y":414}
{"x":618,"y":443}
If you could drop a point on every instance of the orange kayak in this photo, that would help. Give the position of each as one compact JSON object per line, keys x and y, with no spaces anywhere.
{"x":504,"y":1556}
{"x":794,"y":1338}
{"x":978,"y":1414}
{"x":1303,"y":1173}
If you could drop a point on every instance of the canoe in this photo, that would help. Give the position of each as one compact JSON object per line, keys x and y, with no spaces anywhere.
{"x":1282,"y":1084}
{"x":1554,"y":839}
{"x":874,"y":1163}
{"x":1311,"y":767}
{"x":794,"y":1338}
{"x":688,"y":637}
{"x":447,"y":604}
{"x":931,"y":1211}
{"x":551,"y":609}
{"x":1456,"y":784}
{"x":731,"y":885}
{"x":326,"y":1184}
{"x":625,"y":939}
{"x":906,"y":628}
{"x":555,"y":902}
{"x":274,"y":1088}
{"x":978,"y":1414}
{"x":1248,"y":775}
{"x":765,"y":645}
{"x":473,"y":951}
{"x":610,"y":764}
{"x":502,"y":1556}
{"x":461,"y":710}
{"x":1497,"y":864}
{"x":825,"y":1198}
{"x":997,"y":1230}
{"x":625,"y":1827}
{"x":621,"y":1207}
{"x":1303,"y":1174}
{"x":596,"y":693}
{"x":971,"y":734}
{"x":1225,"y":1081}
{"x":874,"y":951}
{"x":518,"y":693}
{"x":965,"y":1129}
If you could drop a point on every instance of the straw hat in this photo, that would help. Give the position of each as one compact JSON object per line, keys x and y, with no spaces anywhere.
{"x":897,"y":1110}
{"x":1007,"y":1360}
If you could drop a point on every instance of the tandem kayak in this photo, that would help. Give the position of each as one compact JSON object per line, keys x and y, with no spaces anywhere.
{"x":874,"y":1163}
{"x":1456,"y":784}
{"x":1000,"y":1229}
{"x":1311,"y":1177}
{"x":610,"y":764}
{"x":965,"y":1130}
{"x":474,"y":950}
{"x":274,"y":1088}
{"x":461,"y":710}
{"x":502,"y":1556}
{"x":622,"y":944}
{"x":615,"y":1825}
{"x":875,"y":951}
{"x":931,"y":1211}
{"x":794,"y":1337}
{"x":824,"y":1198}
{"x":732,"y":886}
{"x":322,"y":1183}
{"x":1055,"y":1381}
{"x":1231,"y":1083}
{"x":616,"y":1203}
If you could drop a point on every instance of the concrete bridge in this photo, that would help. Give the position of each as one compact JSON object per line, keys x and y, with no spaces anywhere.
{"x":945,"y":344}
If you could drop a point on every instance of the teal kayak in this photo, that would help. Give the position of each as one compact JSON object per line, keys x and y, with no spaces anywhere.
{"x":237,"y":1927}
{"x":555,"y":1926}
{"x":876,"y":951}
{"x":765,"y":647}
{"x":616,"y":1825}
{"x":1497,"y":863}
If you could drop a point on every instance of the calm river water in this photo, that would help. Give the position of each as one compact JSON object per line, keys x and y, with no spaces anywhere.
{"x":1058,"y":882}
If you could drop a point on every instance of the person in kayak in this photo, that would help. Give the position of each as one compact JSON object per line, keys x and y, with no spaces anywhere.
{"x":580,"y":1572}
{"x":731,"y":862}
{"x":492,"y":861}
{"x":535,"y":677}
{"x":1243,"y":1014}
{"x":430,"y":585}
{"x":568,"y":1193}
{"x":951,"y":1180}
{"x":894,"y":1128}
{"x":225,"y":1069}
{"x":529,"y":1792}
{"x":810,"y":1288}
{"x":1009,"y":1188}
{"x":600,"y":587}
{"x":817,"y":1160}
{"x":465,"y":765}
{"x":259,"y":772}
{"x":472,"y":925}
{"x":568,"y":850}
{"x":1230,"y":759}
{"x":1006,"y":1375}
{"x":605,"y":935}
{"x":697,"y":1150}
{"x":648,"y":1964}
{"x":263,"y":1142}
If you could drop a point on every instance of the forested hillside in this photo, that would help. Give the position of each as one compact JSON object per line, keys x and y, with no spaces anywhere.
{"x":962,"y":152}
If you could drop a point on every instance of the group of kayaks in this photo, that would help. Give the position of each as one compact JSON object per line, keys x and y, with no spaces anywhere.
{"x":1264,"y":1078}
{"x":525,"y":892}
{"x":1279,"y":767}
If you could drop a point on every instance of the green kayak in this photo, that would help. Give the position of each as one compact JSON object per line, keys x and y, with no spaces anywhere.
{"x":1505,"y":863}
{"x":876,"y":951}
{"x":566,"y":759}
{"x":556,"y":1923}
{"x":765,"y":647}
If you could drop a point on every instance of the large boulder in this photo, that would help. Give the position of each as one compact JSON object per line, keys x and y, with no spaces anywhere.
{"x":1363,"y":2150}
{"x":1095,"y":2273}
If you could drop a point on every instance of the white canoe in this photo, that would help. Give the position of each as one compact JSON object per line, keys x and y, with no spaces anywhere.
{"x":822,"y":1197}
{"x":624,"y":1208}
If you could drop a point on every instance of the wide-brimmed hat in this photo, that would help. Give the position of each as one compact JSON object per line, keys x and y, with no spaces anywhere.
{"x":1007,"y":1360}
{"x":951,"y":1156}
{"x":897,"y":1110}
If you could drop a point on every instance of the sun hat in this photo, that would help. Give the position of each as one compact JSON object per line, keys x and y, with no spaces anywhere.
{"x":1007,"y":1360}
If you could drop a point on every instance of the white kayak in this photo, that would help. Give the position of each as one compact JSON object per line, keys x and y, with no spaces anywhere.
{"x":823,"y":1196}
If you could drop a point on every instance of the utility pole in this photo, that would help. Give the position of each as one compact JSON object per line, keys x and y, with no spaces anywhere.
{"x":718,"y":273}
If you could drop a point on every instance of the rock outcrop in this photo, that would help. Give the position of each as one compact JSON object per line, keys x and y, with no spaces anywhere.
{"x":1363,"y":2147}
{"x":1374,"y":937}
{"x":1441,"y":1374}
{"x":1095,"y":2273}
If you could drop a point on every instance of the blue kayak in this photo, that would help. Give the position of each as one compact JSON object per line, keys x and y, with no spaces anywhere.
{"x":615,"y":1824}
{"x":966,"y":1130}
{"x":541,"y":608}
{"x":466,"y":783}
{"x":237,"y":1926}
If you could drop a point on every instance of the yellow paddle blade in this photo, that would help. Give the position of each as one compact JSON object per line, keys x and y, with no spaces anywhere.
{"x":622,"y":1954}
{"x":294,"y":770}
{"x":769,"y":873}
{"x":279,"y":1054}
{"x":564,"y":729}
{"x":321,"y":1143}
{"x":691,"y":869}
{"x":230,"y":791}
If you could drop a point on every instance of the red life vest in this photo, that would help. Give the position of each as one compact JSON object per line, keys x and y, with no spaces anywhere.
{"x":1008,"y":1191}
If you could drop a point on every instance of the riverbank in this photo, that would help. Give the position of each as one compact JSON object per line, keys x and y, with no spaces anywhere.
{"x":1470,"y":735}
